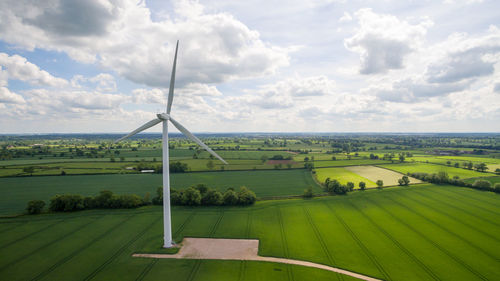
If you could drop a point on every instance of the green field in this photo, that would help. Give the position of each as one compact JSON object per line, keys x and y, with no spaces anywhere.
{"x":356,"y":162}
{"x":432,"y":168}
{"x":16,"y":192}
{"x":492,"y":180}
{"x":413,"y":233}
{"x":343,"y":175}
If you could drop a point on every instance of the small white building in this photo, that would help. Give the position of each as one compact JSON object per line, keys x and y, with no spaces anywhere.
{"x":147,"y":171}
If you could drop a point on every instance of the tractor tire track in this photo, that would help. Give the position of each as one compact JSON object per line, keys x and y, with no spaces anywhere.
{"x":395,"y":242}
{"x":243,"y":266}
{"x":442,"y":249}
{"x":46,"y":245}
{"x":285,"y":244}
{"x":216,"y":225}
{"x":146,"y":270}
{"x":462,"y":210}
{"x":446,"y":230}
{"x":30,"y":234}
{"x":465,"y":197}
{"x":452,"y":217}
{"x":360,"y":244}
{"x":194,"y":270}
{"x":249,"y":224}
{"x":321,"y":240}
{"x":183,"y":225}
{"x":119,"y":251}
{"x":17,"y":224}
{"x":77,"y":251}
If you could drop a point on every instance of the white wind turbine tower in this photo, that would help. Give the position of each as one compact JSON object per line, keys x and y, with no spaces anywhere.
{"x":164,"y":118}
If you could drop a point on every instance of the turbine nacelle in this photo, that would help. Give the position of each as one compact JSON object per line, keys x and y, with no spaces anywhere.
{"x":163,"y":116}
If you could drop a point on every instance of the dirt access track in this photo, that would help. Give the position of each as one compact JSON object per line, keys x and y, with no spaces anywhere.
{"x":236,"y":249}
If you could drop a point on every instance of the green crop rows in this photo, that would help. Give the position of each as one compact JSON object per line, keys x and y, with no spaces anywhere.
{"x":425,"y":232}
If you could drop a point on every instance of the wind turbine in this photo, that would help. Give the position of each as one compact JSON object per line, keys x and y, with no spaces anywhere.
{"x":164,"y":118}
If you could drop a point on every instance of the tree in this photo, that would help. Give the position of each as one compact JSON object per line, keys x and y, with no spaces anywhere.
{"x":35,"y":207}
{"x":481,"y":167}
{"x":212,"y":197}
{"x":289,"y":166}
{"x":401,"y":157}
{"x":246,"y":196}
{"x":263,"y":158}
{"x":362,"y":185}
{"x":350,"y":186}
{"x":457,"y":165}
{"x":482,"y":184}
{"x":470,"y":165}
{"x":210,"y":165}
{"x":404,"y":180}
{"x":334,"y":158}
{"x":308,"y":192}
{"x":448,"y":162}
{"x":191,"y":197}
{"x":230,"y":198}
{"x":497,"y":187}
{"x":309,"y":166}
{"x":497,"y":171}
{"x":443,"y":177}
{"x":380,"y":184}
{"x":29,"y":169}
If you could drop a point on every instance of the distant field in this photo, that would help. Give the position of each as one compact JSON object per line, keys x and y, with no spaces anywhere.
{"x":432,"y":168}
{"x":245,"y":154}
{"x":343,"y":175}
{"x":425,"y":232}
{"x":16,"y":192}
{"x":340,"y":163}
{"x":493,"y":180}
{"x":376,"y":173}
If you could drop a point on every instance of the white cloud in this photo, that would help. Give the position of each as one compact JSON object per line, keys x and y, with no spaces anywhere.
{"x":120,"y":35}
{"x":103,"y":82}
{"x":6,"y":96}
{"x":19,"y":68}
{"x":346,"y":17}
{"x":383,"y":41}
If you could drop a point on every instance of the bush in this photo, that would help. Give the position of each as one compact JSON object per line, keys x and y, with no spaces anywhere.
{"x":362,"y":185}
{"x":350,"y":186}
{"x":175,"y":197}
{"x":158,"y":199}
{"x":404,"y":181}
{"x":230,"y":198}
{"x":497,"y":187}
{"x":35,"y":207}
{"x":380,"y":183}
{"x":246,"y":197}
{"x":212,"y":197}
{"x":191,"y":197}
{"x":66,"y":203}
{"x":482,"y":184}
{"x":308,"y":192}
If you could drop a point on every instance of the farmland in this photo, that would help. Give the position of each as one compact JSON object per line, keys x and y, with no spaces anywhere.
{"x":18,"y":191}
{"x":403,"y":233}
{"x":343,"y":175}
{"x":432,"y":168}
{"x":375,"y":173}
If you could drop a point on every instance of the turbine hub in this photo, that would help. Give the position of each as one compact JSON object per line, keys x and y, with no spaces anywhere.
{"x":163,"y":116}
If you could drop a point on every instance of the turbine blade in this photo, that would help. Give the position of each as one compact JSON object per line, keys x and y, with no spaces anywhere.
{"x":172,"y":81}
{"x":195,"y":139}
{"x":140,"y":129}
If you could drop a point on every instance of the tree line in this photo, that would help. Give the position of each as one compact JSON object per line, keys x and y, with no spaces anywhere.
{"x":442,"y":177}
{"x":202,"y":195}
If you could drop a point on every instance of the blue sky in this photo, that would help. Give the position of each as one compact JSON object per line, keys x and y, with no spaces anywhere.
{"x":268,"y":66}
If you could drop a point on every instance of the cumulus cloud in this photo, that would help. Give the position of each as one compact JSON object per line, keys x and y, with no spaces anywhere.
{"x":283,"y":93}
{"x":6,"y":96}
{"x":383,"y":41}
{"x":19,"y":68}
{"x":103,"y":82}
{"x":120,"y":35}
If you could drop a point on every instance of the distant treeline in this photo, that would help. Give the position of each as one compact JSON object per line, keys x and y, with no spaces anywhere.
{"x":442,"y":177}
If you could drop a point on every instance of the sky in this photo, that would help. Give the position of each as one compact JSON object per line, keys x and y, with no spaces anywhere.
{"x":104,"y":66}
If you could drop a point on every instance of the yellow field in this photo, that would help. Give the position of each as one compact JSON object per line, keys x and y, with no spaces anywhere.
{"x":375,"y":173}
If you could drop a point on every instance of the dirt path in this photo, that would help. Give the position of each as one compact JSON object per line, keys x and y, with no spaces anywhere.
{"x":237,"y":249}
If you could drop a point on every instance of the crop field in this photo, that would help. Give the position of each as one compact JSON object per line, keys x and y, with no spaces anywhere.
{"x":354,"y":162}
{"x":343,"y":175}
{"x":376,"y":173}
{"x":492,"y":180}
{"x":424,"y":232}
{"x":432,"y":168}
{"x":16,"y":192}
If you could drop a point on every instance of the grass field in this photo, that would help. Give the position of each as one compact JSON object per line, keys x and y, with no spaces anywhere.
{"x":432,"y":168}
{"x":493,"y":180}
{"x":376,"y":173}
{"x":355,"y":162}
{"x":343,"y":175}
{"x":16,"y":192}
{"x":424,"y":232}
